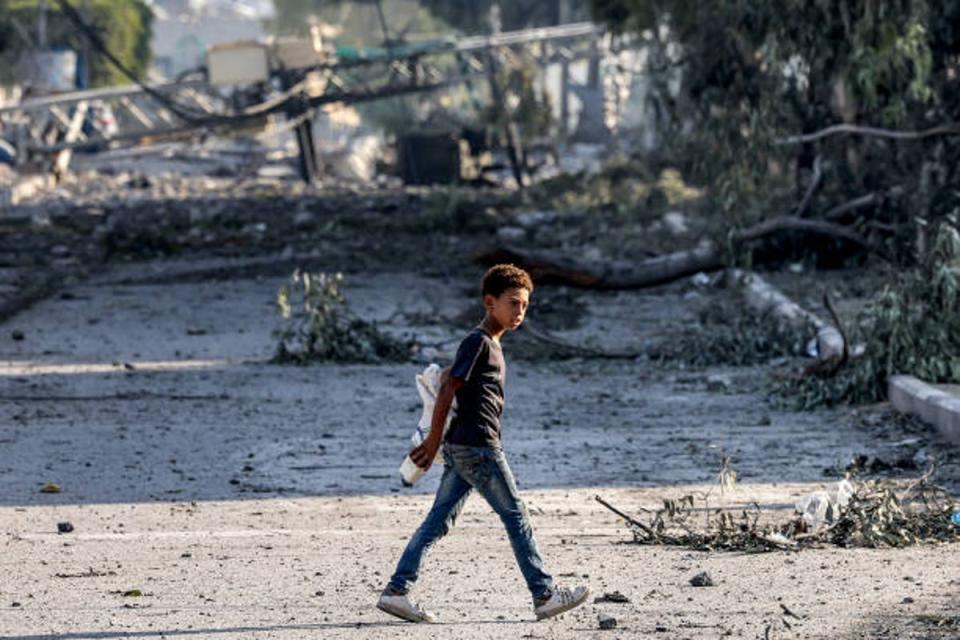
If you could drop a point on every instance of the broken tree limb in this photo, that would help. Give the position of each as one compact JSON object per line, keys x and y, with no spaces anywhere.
{"x":791,"y":223}
{"x":876,"y":132}
{"x":762,"y":296}
{"x":628,"y":519}
{"x":550,"y":267}
{"x":814,"y":185}
{"x":868,"y":200}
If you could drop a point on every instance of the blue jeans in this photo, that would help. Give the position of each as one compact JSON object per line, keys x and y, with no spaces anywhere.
{"x":486,"y":470}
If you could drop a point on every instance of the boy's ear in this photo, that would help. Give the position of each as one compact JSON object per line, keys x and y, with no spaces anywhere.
{"x":489,"y":301}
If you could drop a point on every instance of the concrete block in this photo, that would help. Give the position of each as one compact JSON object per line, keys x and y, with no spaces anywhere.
{"x":935,"y":406}
{"x":948,"y":417}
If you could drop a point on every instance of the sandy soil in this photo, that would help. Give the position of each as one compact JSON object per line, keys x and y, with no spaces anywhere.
{"x":245,"y":499}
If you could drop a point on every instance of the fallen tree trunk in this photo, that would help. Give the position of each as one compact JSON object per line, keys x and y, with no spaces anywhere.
{"x":762,"y":296}
{"x":549,"y":267}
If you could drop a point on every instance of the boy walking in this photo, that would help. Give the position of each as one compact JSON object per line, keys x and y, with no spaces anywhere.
{"x":473,"y":456}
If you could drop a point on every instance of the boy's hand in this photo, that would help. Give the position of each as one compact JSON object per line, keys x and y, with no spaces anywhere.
{"x":424,"y":455}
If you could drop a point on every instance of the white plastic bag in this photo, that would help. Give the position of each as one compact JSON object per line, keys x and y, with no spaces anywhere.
{"x":823,"y":507}
{"x":428,"y":386}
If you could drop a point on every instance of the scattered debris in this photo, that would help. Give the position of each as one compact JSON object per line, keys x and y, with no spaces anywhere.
{"x":615,"y":597}
{"x":872,"y":514}
{"x":132,"y":593}
{"x":702,"y":579}
{"x":823,"y":507}
{"x":941,"y":621}
{"x":90,"y":573}
{"x":64,"y":527}
{"x":865,"y":464}
{"x":606,"y":621}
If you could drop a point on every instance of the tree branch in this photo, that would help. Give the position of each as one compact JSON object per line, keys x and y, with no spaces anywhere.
{"x":814,"y":183}
{"x":892,"y":134}
{"x":791,"y":223}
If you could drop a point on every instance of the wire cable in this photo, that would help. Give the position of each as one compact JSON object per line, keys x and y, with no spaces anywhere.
{"x":188,"y":114}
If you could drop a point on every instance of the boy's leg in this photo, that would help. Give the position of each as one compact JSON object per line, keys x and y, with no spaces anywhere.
{"x":451,"y":496}
{"x":494,"y":480}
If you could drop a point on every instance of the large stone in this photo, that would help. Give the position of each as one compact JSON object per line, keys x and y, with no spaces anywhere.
{"x":935,"y":405}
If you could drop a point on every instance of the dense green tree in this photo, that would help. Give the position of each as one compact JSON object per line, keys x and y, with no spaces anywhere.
{"x":752,"y":72}
{"x":774,"y":105}
{"x":123,"y":25}
{"x":467,"y":16}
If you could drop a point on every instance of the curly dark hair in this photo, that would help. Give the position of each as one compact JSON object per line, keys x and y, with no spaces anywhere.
{"x":501,"y":277}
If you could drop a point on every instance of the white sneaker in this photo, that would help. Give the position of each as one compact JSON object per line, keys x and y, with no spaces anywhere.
{"x":401,"y":607}
{"x":562,"y":600}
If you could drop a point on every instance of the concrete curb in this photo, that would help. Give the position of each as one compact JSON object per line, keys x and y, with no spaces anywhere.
{"x":927,"y":402}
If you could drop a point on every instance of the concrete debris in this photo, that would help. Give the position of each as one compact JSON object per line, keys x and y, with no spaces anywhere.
{"x":702,"y":579}
{"x":606,"y":621}
{"x":613,"y":597}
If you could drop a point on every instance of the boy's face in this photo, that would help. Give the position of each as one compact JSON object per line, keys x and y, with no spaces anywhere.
{"x":509,"y":308}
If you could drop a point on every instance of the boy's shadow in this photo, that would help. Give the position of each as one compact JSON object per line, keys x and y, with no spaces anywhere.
{"x":108,"y":635}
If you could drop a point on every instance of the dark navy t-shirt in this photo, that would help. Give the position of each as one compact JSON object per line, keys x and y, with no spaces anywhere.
{"x":481,"y":366}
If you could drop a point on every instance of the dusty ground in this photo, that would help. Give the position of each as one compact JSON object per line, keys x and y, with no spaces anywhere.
{"x":245,"y":499}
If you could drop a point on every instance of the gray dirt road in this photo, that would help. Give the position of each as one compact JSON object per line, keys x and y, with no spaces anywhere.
{"x":244,"y":499}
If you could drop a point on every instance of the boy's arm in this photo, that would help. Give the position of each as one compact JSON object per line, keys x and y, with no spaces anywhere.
{"x":423,"y":455}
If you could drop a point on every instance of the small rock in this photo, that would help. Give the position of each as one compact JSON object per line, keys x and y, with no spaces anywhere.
{"x":702,"y":579}
{"x":139,"y":181}
{"x":50,"y":487}
{"x":607,"y":622}
{"x":64,"y":527}
{"x":907,"y":600}
{"x":615,"y":596}
{"x":17,"y":335}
